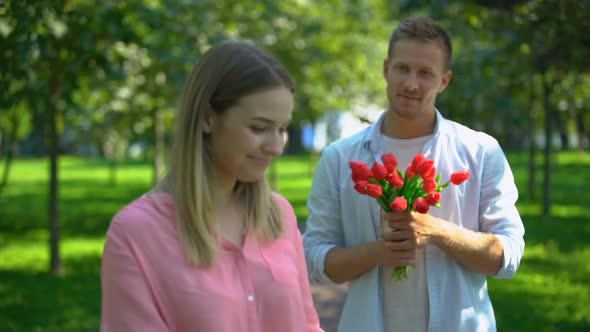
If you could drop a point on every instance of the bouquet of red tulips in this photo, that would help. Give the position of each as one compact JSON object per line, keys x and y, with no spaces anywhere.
{"x":416,"y":190}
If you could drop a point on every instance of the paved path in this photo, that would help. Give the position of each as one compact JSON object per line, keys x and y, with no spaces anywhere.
{"x":328,"y":302}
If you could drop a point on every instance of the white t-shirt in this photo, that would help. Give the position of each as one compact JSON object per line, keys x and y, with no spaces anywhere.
{"x":405,"y":303}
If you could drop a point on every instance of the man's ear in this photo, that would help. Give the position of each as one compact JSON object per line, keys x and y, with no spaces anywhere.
{"x":445,"y":81}
{"x":385,"y":68}
{"x":208,"y":120}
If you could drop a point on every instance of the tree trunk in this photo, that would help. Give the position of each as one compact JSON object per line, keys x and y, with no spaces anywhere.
{"x":581,"y":129}
{"x":158,"y":144}
{"x":532,"y":146}
{"x":8,"y":163}
{"x":56,"y":266}
{"x":548,"y":148}
{"x":559,"y":123}
{"x":1,"y":144}
{"x":113,"y":171}
{"x":532,"y":170}
{"x":12,"y":147}
{"x":101,"y":150}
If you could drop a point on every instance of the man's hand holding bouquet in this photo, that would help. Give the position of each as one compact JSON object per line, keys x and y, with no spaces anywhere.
{"x":415,"y":190}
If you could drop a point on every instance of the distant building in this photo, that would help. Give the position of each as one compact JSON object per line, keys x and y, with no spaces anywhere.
{"x":334,"y":125}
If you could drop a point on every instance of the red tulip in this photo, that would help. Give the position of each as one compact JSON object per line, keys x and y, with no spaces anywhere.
{"x":424,"y":167}
{"x":379,"y":171}
{"x":374,"y":190}
{"x":429,"y":185}
{"x":410,"y":171}
{"x":433,"y":197}
{"x":421,"y":205}
{"x":360,"y":171}
{"x":459,"y":177}
{"x":431,"y":173}
{"x":395,"y":180}
{"x":367,"y":188}
{"x":399,"y":204}
{"x":390,"y":162}
{"x":356,"y":165}
{"x":418,"y":159}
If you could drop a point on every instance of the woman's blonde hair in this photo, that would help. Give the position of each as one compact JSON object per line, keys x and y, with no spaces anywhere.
{"x":225,"y":73}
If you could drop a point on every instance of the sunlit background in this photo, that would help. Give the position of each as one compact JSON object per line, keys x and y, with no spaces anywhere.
{"x":88,"y":92}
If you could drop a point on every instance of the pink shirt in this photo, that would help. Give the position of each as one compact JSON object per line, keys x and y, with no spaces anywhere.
{"x":148,"y":286}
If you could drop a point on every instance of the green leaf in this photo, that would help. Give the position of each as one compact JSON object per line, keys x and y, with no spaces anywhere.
{"x":383,"y":204}
{"x":386,"y":188}
{"x":392,"y":196}
{"x":419,"y":193}
{"x":412,"y":187}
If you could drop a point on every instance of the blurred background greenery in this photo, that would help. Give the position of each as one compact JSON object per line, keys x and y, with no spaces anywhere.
{"x":88,"y":91}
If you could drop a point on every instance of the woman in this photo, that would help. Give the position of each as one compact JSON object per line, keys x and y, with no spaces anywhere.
{"x":211,"y":248}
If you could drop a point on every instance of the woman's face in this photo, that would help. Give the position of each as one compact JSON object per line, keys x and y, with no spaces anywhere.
{"x":246,"y":137}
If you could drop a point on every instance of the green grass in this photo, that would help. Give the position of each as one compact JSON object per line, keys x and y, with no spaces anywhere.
{"x":30,"y":298}
{"x":549,"y":293}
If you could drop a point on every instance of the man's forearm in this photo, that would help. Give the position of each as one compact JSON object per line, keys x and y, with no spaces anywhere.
{"x":480,"y":252}
{"x":344,"y":264}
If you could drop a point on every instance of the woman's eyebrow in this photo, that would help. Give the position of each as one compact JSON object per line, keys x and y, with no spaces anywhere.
{"x":269,"y":121}
{"x":263,"y":119}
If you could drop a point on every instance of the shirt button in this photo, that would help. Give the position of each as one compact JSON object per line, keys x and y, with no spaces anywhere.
{"x":250,"y":298}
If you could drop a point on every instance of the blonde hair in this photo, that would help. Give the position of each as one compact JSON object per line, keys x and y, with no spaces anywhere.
{"x":424,"y":29}
{"x":225,"y":73}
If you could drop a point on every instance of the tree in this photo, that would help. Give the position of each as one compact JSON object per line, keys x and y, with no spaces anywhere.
{"x":534,"y":39}
{"x":51,"y":45}
{"x":558,"y":49}
{"x":15,"y":122}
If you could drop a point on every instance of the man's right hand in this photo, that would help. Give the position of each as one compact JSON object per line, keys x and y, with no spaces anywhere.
{"x":394,"y":249}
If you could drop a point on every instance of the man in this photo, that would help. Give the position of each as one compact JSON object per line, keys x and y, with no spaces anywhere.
{"x":476,"y":233}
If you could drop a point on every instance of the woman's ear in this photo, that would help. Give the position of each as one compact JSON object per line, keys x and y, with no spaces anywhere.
{"x":208,"y":120}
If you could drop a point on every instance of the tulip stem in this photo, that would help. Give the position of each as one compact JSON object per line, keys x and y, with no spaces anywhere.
{"x":382,"y":202}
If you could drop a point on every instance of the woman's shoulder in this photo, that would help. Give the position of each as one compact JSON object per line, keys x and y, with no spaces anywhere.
{"x":283,"y":202}
{"x":290,"y":219}
{"x":146,"y":214}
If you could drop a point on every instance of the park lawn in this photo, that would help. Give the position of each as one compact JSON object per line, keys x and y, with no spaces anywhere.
{"x":549,"y":293}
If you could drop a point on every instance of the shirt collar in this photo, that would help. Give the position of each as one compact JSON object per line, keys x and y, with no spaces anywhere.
{"x":373,"y":140}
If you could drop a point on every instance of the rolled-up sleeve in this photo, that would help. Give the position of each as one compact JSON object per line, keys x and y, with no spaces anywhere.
{"x":324,"y":227}
{"x":498,"y":213}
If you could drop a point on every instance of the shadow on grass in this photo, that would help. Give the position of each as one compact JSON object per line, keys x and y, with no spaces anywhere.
{"x":520,"y":307}
{"x":568,"y":233}
{"x":33,"y":301}
{"x":548,"y":290}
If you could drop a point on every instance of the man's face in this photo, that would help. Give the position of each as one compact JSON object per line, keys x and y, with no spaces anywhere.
{"x":415,"y":73}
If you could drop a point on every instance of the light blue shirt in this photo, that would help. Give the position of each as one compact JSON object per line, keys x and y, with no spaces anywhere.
{"x":341,"y":217}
